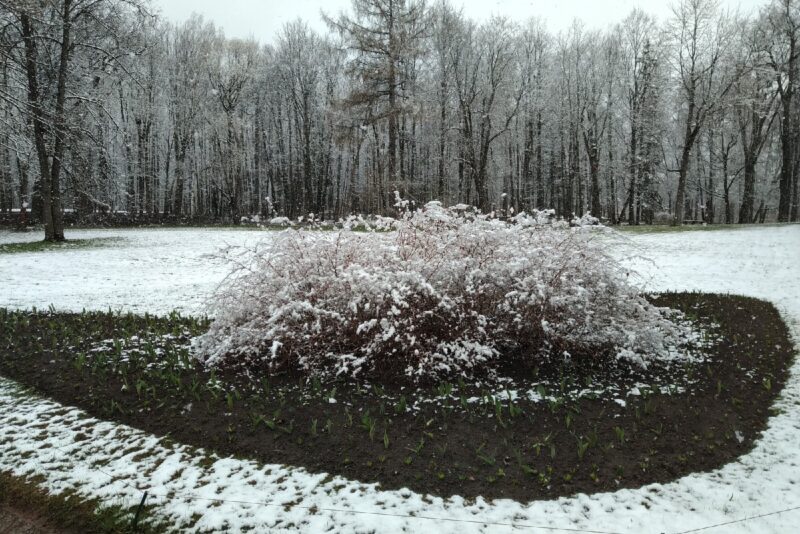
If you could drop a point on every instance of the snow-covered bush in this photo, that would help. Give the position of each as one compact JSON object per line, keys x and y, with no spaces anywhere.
{"x":369,"y":223}
{"x":280,"y":221}
{"x":442,"y":296}
{"x":586,"y":220}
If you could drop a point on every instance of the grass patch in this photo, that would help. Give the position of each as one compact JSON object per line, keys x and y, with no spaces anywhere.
{"x":667,"y":229}
{"x":67,"y":512}
{"x":47,"y":246}
{"x":562,"y":429}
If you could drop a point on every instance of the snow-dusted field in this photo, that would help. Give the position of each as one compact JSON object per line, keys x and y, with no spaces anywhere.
{"x":148,"y":270}
{"x":159,"y":270}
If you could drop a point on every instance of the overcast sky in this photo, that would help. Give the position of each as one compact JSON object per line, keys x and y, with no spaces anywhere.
{"x":262,"y":19}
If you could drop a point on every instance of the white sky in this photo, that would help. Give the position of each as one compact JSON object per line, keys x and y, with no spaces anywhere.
{"x":263,"y":19}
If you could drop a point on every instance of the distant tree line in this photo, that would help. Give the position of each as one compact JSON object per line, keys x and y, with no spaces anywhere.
{"x":106,"y":108}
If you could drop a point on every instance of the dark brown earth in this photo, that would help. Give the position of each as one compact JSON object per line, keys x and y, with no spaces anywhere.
{"x":522,"y":450}
{"x":15,"y":521}
{"x":27,"y":508}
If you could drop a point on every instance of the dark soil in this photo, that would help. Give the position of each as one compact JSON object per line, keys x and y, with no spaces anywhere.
{"x":26,"y":508}
{"x":14,"y":521}
{"x":433,"y":440}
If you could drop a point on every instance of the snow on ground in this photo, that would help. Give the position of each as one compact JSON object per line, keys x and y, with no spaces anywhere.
{"x":157,"y":270}
{"x":757,"y":262}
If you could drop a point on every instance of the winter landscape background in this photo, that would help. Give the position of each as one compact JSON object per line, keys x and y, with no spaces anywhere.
{"x":396,"y":266}
{"x":689,"y":116}
{"x":179,"y":266}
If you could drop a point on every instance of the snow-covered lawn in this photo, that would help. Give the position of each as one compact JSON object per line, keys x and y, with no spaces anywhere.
{"x":151,"y":270}
{"x":159,"y":270}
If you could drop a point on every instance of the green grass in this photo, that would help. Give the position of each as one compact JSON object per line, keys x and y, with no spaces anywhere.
{"x":70,"y":513}
{"x":46,"y":246}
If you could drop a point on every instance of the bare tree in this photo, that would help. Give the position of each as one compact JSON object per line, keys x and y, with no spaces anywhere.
{"x":703,"y":35}
{"x":485,"y":65}
{"x":49,"y":33}
{"x":641,"y":63}
{"x":189,"y":44}
{"x":444,"y":27}
{"x":754,"y":105}
{"x":300,"y":73}
{"x":783,"y":49}
{"x":179,"y":121}
{"x":385,"y":36}
{"x":230,"y":71}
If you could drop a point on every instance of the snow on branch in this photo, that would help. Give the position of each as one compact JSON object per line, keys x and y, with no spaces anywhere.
{"x":448,"y":294}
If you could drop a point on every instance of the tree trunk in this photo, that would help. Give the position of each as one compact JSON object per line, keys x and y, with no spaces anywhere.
{"x":746,"y":214}
{"x":612,"y":182}
{"x":795,"y":209}
{"x":788,"y":136}
{"x":22,"y":170}
{"x":593,"y":153}
{"x":392,"y":90}
{"x":688,"y":142}
{"x":180,"y":176}
{"x":680,"y":194}
{"x":710,"y":187}
{"x":39,"y":129}
{"x":442,"y":130}
{"x":308,"y":189}
{"x":541,"y":201}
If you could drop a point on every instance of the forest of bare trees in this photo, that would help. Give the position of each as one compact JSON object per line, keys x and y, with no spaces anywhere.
{"x":106,"y":108}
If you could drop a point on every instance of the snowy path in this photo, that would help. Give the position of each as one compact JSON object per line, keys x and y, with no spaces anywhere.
{"x":159,"y":269}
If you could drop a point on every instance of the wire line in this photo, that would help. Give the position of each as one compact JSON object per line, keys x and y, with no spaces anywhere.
{"x":742,"y":520}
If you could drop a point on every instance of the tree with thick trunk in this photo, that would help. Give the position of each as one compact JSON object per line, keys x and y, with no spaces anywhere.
{"x":783,"y":48}
{"x":48,"y":124}
{"x":703,"y":37}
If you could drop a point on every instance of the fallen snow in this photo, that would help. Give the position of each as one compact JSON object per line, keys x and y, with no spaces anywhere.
{"x":157,"y":270}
